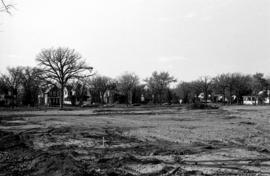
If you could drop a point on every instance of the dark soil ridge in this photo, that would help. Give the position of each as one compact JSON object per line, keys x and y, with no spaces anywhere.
{"x":18,"y":156}
{"x":18,"y":116}
{"x":101,"y":112}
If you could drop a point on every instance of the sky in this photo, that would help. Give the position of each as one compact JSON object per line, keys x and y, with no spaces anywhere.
{"x":187,"y":38}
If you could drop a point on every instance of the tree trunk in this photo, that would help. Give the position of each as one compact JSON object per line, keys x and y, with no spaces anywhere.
{"x":127,"y":98}
{"x":223,"y":98}
{"x":205,"y":96}
{"x":13,"y":98}
{"x":100,"y":97}
{"x":160,"y":98}
{"x":130,"y":97}
{"x":102,"y":101}
{"x":230,"y":98}
{"x":12,"y":101}
{"x":62,"y":97}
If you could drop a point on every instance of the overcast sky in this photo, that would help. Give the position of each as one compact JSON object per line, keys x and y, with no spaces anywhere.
{"x":188,"y":38}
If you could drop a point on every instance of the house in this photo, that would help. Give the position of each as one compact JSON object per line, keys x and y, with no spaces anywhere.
{"x":266,"y":100}
{"x":264,"y":96}
{"x":202,"y":98}
{"x":261,"y":98}
{"x":5,"y":98}
{"x":108,"y":97}
{"x":250,"y":100}
{"x":51,"y":96}
{"x":219,"y":98}
{"x":82,"y":97}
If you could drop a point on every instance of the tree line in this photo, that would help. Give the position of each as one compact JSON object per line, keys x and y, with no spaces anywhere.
{"x":64,"y":67}
{"x":225,"y":88}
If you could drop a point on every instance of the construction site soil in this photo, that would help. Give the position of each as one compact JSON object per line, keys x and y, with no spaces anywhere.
{"x":129,"y":141}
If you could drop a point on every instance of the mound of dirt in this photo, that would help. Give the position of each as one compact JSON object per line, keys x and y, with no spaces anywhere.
{"x":9,"y":140}
{"x":20,"y":156}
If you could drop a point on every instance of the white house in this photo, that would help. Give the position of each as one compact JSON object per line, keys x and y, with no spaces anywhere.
{"x":51,"y":96}
{"x":261,"y":98}
{"x":250,"y":100}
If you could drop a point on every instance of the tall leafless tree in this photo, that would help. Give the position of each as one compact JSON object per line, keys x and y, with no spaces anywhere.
{"x":205,"y":85}
{"x":31,"y":85}
{"x":126,"y":84}
{"x":159,"y":83}
{"x":100,"y":84}
{"x":13,"y":80}
{"x":220,"y":85}
{"x":184,"y":91}
{"x":62,"y":65}
{"x":5,"y":7}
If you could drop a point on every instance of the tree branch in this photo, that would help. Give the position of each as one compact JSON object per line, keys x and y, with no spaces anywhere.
{"x":6,"y":7}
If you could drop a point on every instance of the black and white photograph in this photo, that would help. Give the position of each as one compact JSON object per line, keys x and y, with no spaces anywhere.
{"x":135,"y":88}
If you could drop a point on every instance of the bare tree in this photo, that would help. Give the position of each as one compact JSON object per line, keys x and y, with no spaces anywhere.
{"x":159,"y":83}
{"x":62,"y":65}
{"x":259,"y":83}
{"x":233,"y":84}
{"x":12,"y":80}
{"x":81,"y":88}
{"x":241,"y":86}
{"x":184,"y":91}
{"x":126,"y":84}
{"x":100,"y":84}
{"x":220,"y":85}
{"x":205,"y":86}
{"x":31,"y":85}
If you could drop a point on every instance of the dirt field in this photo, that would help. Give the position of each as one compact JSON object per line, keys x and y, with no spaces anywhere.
{"x":233,"y":140}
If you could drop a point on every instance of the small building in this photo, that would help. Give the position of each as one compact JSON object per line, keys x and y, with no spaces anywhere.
{"x":51,"y":96}
{"x":266,"y":100}
{"x":5,"y":98}
{"x":218,"y":98}
{"x":250,"y":100}
{"x":202,"y":98}
{"x":264,"y":96}
{"x":108,"y":97}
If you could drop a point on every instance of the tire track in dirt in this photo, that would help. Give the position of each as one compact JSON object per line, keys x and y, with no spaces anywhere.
{"x":75,"y":150}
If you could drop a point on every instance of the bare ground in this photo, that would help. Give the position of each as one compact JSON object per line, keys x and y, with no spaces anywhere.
{"x":232,"y":140}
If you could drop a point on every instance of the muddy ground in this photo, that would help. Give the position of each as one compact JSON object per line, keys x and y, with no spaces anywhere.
{"x":232,"y":140}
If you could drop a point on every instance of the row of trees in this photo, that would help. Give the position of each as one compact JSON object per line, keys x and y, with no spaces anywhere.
{"x":24,"y":84}
{"x":64,"y":67}
{"x":21,"y":83}
{"x":231,"y":87}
